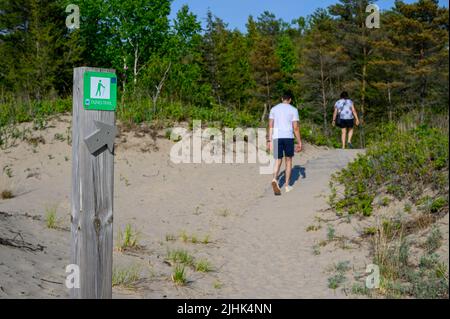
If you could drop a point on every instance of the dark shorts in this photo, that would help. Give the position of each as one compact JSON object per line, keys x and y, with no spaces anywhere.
{"x":347,"y":123}
{"x":283,"y":147}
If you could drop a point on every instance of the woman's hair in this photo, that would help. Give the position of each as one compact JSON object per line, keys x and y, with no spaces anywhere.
{"x":344,"y":95}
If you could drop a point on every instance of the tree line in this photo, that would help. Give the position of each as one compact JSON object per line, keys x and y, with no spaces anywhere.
{"x":388,"y":71}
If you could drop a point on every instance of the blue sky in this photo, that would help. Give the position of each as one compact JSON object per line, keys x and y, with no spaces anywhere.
{"x":236,"y":12}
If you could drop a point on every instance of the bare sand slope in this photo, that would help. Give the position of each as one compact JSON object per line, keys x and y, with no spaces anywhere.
{"x":257,"y":244}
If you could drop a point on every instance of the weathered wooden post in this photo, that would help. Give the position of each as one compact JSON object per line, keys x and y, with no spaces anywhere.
{"x":93,"y":133}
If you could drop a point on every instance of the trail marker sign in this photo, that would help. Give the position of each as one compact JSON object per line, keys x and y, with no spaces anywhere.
{"x":93,"y":133}
{"x":100,"y":91}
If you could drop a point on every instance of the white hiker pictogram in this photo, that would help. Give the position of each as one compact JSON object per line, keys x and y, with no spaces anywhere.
{"x":100,"y":88}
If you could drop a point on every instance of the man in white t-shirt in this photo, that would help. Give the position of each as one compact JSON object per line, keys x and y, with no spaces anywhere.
{"x":283,"y":126}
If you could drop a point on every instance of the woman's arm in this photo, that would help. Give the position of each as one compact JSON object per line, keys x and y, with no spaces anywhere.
{"x":355,"y":114}
{"x":334,"y":116}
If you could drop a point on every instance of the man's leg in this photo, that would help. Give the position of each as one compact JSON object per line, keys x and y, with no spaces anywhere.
{"x":289,"y":155}
{"x":278,"y":154}
{"x":275,"y":185}
{"x":276,"y":170}
{"x":343,"y":137}
{"x":288,"y":170}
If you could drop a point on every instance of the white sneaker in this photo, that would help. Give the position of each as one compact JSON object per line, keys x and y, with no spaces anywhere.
{"x":289,"y":188}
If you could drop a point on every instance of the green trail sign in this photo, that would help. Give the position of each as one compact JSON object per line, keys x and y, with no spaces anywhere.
{"x":100,"y":91}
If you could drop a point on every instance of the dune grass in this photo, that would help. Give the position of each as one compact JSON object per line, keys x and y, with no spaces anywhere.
{"x":203,"y":265}
{"x":128,"y":239}
{"x":126,"y":277}
{"x":338,"y":278}
{"x":170,"y":237}
{"x":181,"y":260}
{"x":179,"y":275}
{"x":217,"y":285}
{"x":50,"y":218}
{"x":193,"y":239}
{"x":180,"y":256}
{"x":400,"y":277}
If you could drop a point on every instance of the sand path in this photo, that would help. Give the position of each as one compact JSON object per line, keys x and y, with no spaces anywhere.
{"x":268,"y":254}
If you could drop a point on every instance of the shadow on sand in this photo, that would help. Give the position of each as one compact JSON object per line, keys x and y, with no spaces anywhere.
{"x":297,"y":171}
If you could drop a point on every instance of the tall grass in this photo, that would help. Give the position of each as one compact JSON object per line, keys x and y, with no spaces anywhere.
{"x":399,"y":276}
{"x":13,"y":111}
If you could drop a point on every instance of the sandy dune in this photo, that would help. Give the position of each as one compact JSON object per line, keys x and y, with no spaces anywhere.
{"x":257,"y":243}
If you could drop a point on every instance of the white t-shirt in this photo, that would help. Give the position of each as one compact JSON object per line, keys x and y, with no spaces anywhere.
{"x":345,"y":109}
{"x":283,"y":115}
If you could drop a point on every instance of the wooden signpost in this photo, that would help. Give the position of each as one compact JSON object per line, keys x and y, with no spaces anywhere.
{"x":93,"y":133}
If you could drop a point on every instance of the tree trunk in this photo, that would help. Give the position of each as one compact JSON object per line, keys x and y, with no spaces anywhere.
{"x":124,"y":82}
{"x":363,"y":107}
{"x":135,"y":70}
{"x":390,"y":103}
{"x":362,"y":135}
{"x":423,"y":89}
{"x":263,"y":117}
{"x":324,"y":98}
{"x":159,"y":87}
{"x":422,"y":100}
{"x":267,"y":89}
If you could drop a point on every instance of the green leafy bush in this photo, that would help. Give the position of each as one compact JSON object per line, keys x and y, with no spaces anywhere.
{"x":401,"y":164}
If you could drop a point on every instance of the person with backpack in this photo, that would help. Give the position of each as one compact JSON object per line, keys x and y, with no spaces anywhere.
{"x":345,"y":117}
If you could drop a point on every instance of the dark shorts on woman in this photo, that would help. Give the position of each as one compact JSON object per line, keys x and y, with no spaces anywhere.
{"x":283,"y":147}
{"x":347,"y":123}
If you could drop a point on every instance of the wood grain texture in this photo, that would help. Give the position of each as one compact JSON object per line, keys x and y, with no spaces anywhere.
{"x":92,"y":199}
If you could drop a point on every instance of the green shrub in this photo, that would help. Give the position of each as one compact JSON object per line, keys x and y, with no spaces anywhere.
{"x":438,"y":204}
{"x":314,"y":134}
{"x":403,"y":163}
